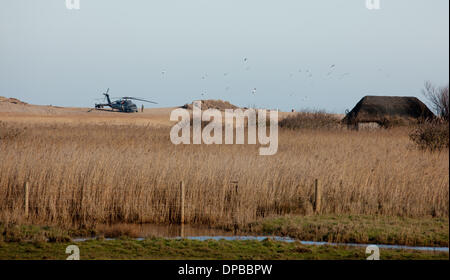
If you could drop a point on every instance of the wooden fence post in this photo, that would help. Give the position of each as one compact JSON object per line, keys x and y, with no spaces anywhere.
{"x":26,"y":198}
{"x":182,"y":190}
{"x":317,"y":196}
{"x":235,"y":206}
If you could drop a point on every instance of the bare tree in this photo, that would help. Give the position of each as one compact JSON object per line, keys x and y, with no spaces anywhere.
{"x":438,"y":98}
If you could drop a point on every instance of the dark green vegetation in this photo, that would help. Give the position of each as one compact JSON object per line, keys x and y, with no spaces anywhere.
{"x":36,"y":233}
{"x":45,"y":242}
{"x":157,"y":248}
{"x":357,"y":229}
{"x":365,"y":229}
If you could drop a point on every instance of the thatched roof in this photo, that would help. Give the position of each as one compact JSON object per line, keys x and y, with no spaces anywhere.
{"x":380,"y":109}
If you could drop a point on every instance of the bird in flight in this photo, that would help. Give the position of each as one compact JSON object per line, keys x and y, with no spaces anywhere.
{"x":343,"y":75}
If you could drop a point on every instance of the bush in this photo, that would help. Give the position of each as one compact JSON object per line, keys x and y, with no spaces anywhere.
{"x":312,"y":120}
{"x":431,"y":135}
{"x":438,"y":98}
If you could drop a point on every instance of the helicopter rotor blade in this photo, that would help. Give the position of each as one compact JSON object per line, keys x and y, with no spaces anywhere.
{"x":138,"y":99}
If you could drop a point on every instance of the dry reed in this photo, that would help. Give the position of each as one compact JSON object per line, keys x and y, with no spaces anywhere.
{"x":84,"y":175}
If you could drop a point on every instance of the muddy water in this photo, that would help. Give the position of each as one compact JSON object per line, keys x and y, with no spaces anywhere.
{"x":173,"y":231}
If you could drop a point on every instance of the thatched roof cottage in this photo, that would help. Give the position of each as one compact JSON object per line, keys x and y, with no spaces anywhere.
{"x":387,"y":110}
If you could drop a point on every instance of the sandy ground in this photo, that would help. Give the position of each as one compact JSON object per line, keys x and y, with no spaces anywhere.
{"x":27,"y":113}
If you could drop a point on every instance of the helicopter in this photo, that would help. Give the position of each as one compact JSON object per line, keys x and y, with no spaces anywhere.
{"x":124,"y":104}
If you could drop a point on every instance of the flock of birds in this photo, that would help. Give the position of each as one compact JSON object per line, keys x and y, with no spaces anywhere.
{"x":331,"y":72}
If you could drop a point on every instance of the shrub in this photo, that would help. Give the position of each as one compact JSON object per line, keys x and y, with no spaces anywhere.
{"x":431,"y":135}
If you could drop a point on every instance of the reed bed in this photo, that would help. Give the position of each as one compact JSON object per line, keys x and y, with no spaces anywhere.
{"x":82,"y":175}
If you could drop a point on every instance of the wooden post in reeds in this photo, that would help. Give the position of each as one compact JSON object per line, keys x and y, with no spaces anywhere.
{"x":182,"y":197}
{"x":317,"y":196}
{"x":235,"y":205}
{"x":26,"y":198}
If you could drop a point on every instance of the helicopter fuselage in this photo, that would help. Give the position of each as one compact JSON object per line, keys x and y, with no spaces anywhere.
{"x":122,"y":105}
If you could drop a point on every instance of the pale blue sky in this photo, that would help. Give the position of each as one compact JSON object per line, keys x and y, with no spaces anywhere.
{"x":51,"y":55}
